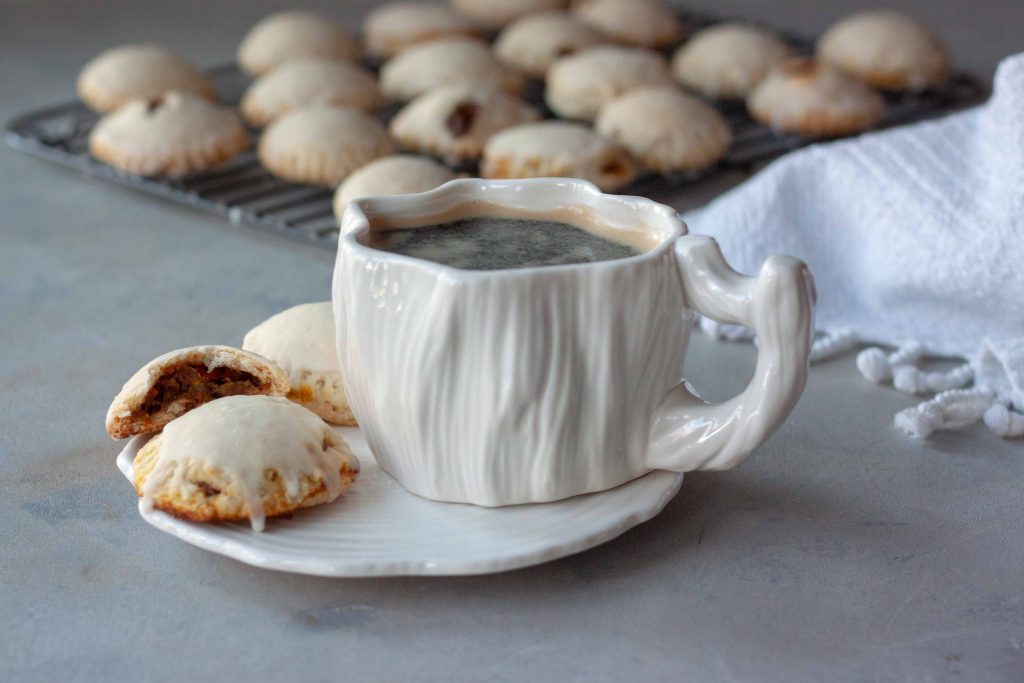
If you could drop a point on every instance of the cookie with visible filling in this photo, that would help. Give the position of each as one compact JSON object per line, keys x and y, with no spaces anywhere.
{"x":306,"y":82}
{"x":396,"y":26}
{"x":243,"y":458}
{"x":814,"y":99}
{"x":641,"y":23}
{"x":172,"y":134}
{"x":447,"y":61}
{"x":666,"y":130}
{"x":726,"y":60}
{"x":579,"y":84}
{"x":557,"y":149}
{"x":390,"y":175}
{"x":295,"y":34}
{"x":134,"y":72}
{"x":300,"y":340}
{"x":497,"y":13}
{"x":533,"y":43}
{"x":322,"y":145}
{"x":170,"y":385}
{"x":887,"y":50}
{"x":455,"y":121}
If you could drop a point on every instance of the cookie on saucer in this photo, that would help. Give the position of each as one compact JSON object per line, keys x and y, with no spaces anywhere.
{"x":557,"y":149}
{"x":641,"y":23}
{"x":579,"y":84}
{"x":494,"y":14}
{"x":321,"y":145}
{"x":173,"y":384}
{"x":887,"y":50}
{"x":455,"y":121}
{"x":243,"y":458}
{"x":172,"y":134}
{"x":300,"y":340}
{"x":395,"y":174}
{"x":445,"y":62}
{"x":305,"y":82}
{"x":294,"y":34}
{"x":726,"y":60}
{"x":533,"y":43}
{"x":138,"y":72}
{"x":396,"y":26}
{"x":814,"y":99}
{"x":665,"y":129}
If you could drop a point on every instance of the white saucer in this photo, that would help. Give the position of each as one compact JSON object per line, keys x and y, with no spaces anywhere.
{"x":380,"y":529}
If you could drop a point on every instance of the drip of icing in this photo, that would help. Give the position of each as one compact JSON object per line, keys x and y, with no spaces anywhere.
{"x":243,"y":436}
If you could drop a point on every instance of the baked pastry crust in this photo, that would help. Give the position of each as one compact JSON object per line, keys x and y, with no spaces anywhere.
{"x":726,"y":60}
{"x":455,"y":121}
{"x":886,"y":50}
{"x":294,"y":34}
{"x":579,"y":84}
{"x":394,"y":174}
{"x":304,"y":82}
{"x":172,"y":134}
{"x":814,"y":99}
{"x":666,"y":130}
{"x":171,"y":385}
{"x":322,"y":145}
{"x":557,"y":149}
{"x":132,"y":72}
{"x":396,"y":26}
{"x":532,"y":44}
{"x":301,"y":341}
{"x":243,"y":458}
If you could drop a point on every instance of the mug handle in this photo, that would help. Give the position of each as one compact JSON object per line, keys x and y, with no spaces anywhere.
{"x":689,"y":433}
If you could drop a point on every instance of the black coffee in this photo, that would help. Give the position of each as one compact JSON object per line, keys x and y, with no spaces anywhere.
{"x":497,"y":243}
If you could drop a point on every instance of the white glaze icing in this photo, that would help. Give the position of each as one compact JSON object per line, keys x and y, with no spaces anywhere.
{"x":243,"y":436}
{"x":297,"y":339}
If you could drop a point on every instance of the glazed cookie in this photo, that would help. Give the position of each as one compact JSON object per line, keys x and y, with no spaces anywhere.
{"x":455,"y":121}
{"x":497,"y":13}
{"x":642,"y":23}
{"x":814,"y":99}
{"x":394,"y":27}
{"x":305,"y":82}
{"x":557,"y":149}
{"x":137,"y":72}
{"x":666,"y":130}
{"x":172,"y":384}
{"x":300,"y":340}
{"x":445,"y":62}
{"x":578,"y":85}
{"x":533,"y":43}
{"x":726,"y":60}
{"x":396,"y":174}
{"x":295,"y":34}
{"x":243,"y":457}
{"x":321,"y":145}
{"x":887,"y":50}
{"x":172,"y":134}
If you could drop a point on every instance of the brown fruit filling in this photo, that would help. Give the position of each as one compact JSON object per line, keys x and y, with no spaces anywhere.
{"x":191,"y":385}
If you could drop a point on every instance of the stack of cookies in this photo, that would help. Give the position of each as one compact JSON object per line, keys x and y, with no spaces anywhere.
{"x":635,"y":89}
{"x":241,"y":434}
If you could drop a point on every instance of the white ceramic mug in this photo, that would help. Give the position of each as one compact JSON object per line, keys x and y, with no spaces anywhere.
{"x":535,"y":384}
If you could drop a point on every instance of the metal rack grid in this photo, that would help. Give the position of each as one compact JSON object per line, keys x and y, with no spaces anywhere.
{"x":247,"y":194}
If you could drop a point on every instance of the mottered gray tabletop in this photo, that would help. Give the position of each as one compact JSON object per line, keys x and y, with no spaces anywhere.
{"x":839,"y":551}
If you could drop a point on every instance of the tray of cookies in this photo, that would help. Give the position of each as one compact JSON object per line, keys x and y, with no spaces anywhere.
{"x":632,"y":95}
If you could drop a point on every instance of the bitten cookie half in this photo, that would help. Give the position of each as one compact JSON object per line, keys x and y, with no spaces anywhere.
{"x":170,"y":385}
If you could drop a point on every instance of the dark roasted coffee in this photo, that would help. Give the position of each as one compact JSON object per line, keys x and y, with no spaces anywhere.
{"x":497,"y":243}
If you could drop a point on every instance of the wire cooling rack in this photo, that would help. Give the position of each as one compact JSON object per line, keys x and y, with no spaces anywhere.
{"x":246,"y":194}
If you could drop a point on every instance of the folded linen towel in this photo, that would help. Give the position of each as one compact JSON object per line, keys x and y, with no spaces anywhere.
{"x":915,"y":233}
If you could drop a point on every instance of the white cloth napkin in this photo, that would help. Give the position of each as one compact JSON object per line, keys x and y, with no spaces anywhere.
{"x":915,"y":236}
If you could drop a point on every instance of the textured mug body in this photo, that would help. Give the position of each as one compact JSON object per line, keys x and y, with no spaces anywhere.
{"x":521,"y":385}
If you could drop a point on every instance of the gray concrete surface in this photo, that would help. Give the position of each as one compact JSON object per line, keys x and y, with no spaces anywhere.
{"x":840,"y":551}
